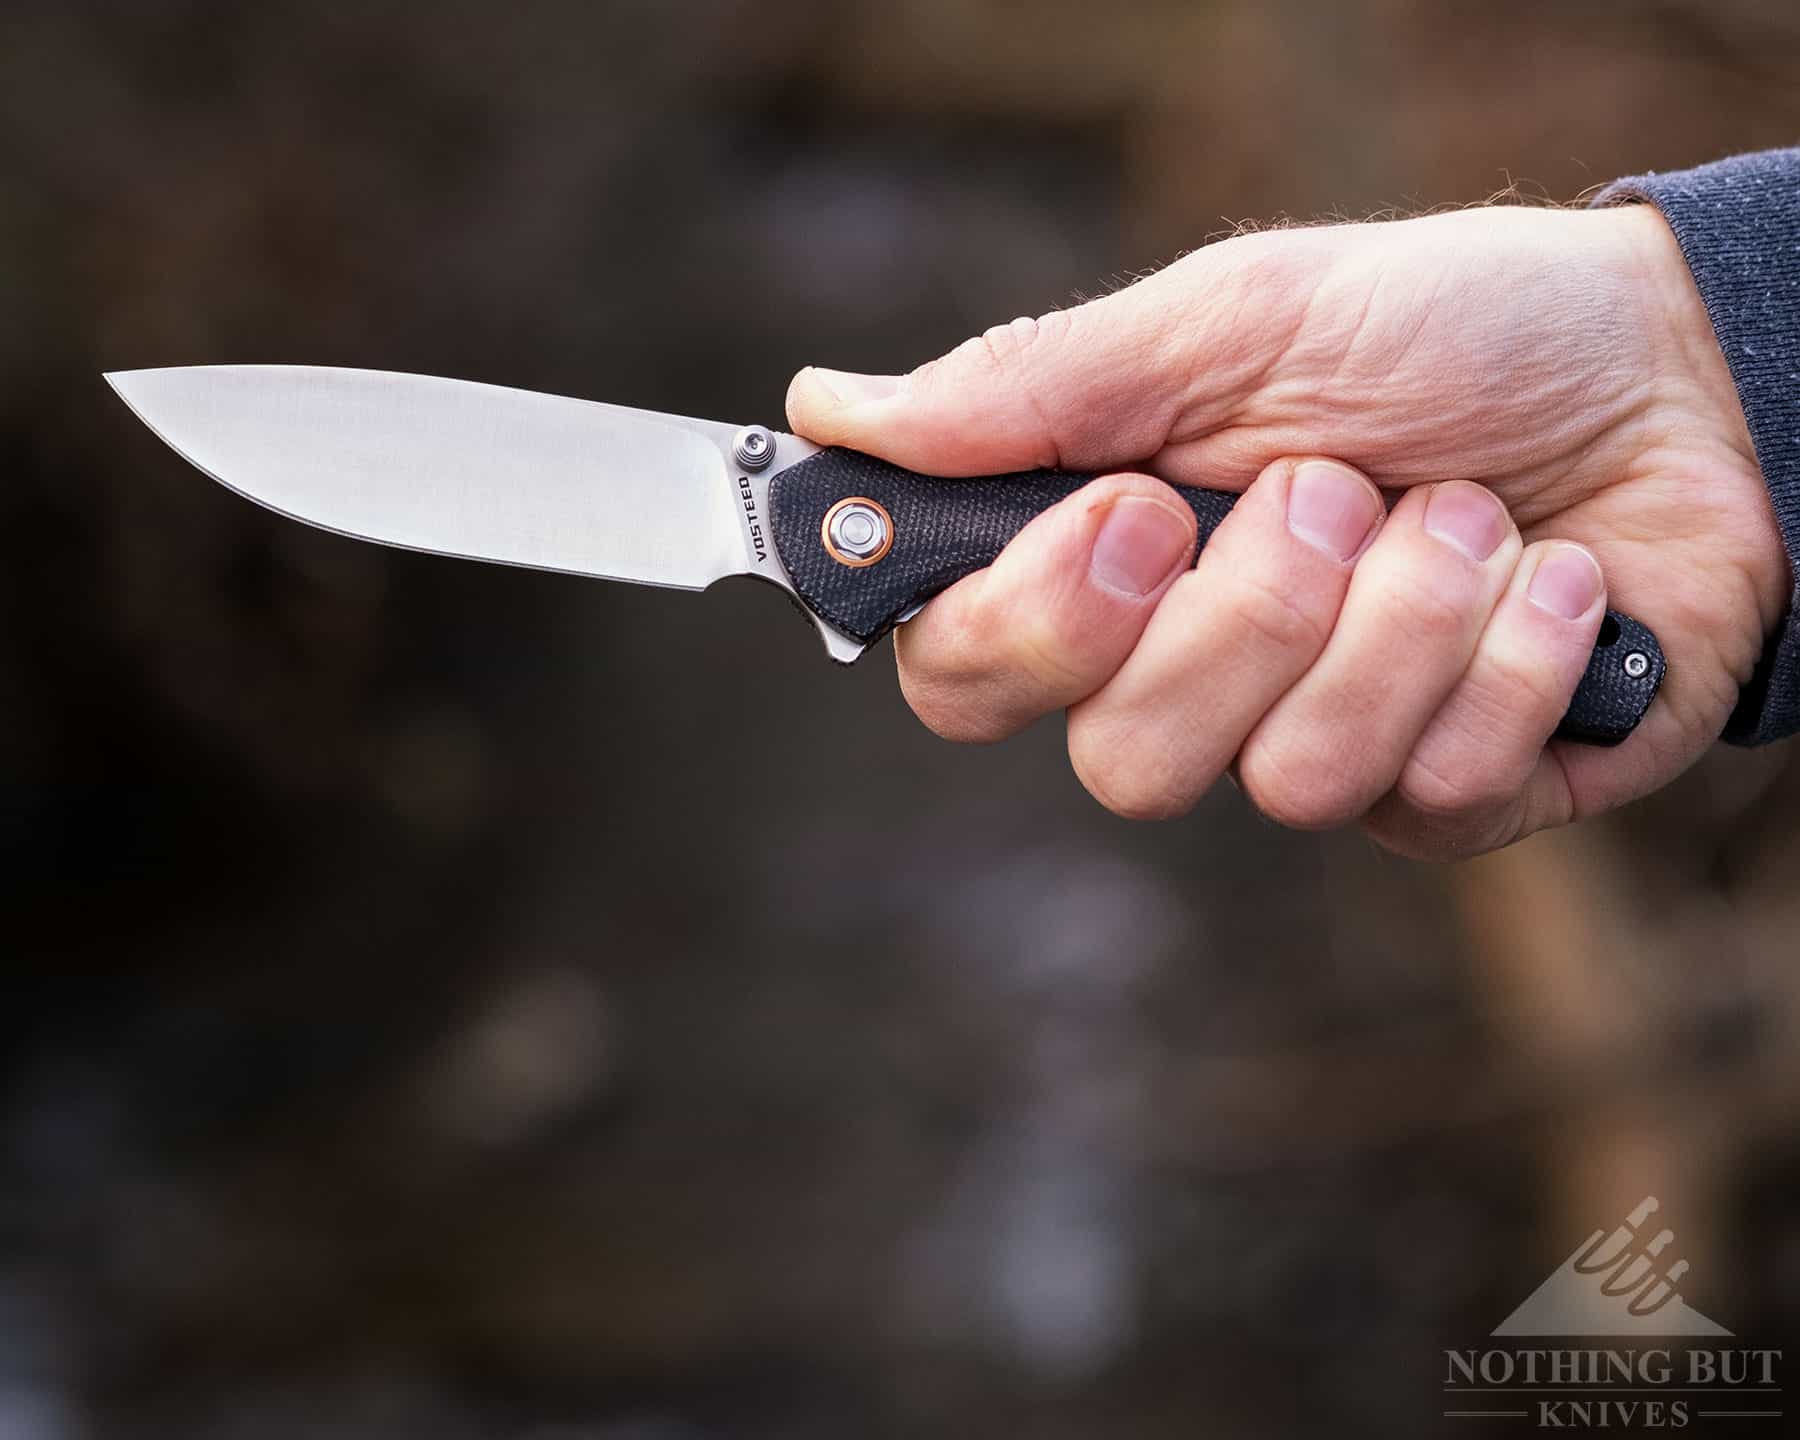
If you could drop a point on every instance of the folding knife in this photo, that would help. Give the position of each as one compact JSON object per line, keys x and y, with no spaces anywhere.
{"x":489,"y":473}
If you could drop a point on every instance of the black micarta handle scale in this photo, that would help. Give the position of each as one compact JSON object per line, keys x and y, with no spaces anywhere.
{"x":946,"y":529}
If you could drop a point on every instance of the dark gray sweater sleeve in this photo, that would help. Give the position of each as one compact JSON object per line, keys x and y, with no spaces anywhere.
{"x":1738,"y":223}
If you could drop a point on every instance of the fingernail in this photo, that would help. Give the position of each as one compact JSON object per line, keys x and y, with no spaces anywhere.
{"x":1467,"y":517}
{"x":1331,"y":508}
{"x":1139,"y":543}
{"x":849,"y":388}
{"x":1566,"y":582}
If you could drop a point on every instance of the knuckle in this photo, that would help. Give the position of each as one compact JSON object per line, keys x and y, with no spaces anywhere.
{"x":1039,"y":648}
{"x":1512,"y":685}
{"x":1128,"y":779}
{"x":1276,"y":621}
{"x":1416,"y":837}
{"x":1000,"y":364}
{"x":996,"y":350}
{"x":1131,"y":794}
{"x":951,"y":710}
{"x":1003,"y":350}
{"x":979,"y":666}
{"x":946,"y":663}
{"x":1425,"y":613}
{"x":1443,"y":794}
{"x":1483,"y":740}
{"x":1299,"y":792}
{"x":1429,"y":817}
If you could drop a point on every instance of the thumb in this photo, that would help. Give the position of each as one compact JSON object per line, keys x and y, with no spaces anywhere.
{"x":1097,"y":385}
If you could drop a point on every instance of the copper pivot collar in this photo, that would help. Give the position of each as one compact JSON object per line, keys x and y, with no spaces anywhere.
{"x":857,"y":531}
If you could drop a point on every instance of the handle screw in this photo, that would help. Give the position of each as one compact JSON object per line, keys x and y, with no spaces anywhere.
{"x":857,"y":532}
{"x":753,"y":447}
{"x":1637,"y":664}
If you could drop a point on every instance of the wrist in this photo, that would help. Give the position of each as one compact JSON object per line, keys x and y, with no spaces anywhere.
{"x":1694,"y":386}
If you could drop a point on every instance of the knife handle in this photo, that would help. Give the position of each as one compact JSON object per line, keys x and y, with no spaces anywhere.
{"x":942,"y":530}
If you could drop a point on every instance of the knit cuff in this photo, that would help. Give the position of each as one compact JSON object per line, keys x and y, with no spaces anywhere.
{"x":1738,"y":224}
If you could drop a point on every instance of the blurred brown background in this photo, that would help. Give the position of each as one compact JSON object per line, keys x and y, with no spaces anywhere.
{"x":457,"y":1002}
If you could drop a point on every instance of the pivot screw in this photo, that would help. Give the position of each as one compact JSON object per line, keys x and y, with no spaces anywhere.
{"x":1637,"y":664}
{"x":857,"y":532}
{"x":753,"y":447}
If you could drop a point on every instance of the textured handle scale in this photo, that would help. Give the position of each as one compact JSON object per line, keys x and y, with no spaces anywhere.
{"x":946,"y":529}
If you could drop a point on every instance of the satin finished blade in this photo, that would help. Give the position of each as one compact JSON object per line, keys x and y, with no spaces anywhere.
{"x":479,"y":471}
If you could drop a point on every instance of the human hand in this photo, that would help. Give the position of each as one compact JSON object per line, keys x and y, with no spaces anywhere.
{"x":1402,"y":669}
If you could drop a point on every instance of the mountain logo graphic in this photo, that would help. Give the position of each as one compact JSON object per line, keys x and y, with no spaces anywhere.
{"x":1614,"y":1284}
